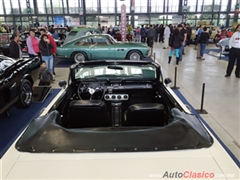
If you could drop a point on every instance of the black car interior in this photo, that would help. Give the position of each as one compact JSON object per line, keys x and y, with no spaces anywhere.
{"x":115,"y":104}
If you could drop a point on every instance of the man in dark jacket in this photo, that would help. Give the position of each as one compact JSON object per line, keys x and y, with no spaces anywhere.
{"x":150,"y":36}
{"x":203,"y":41}
{"x":15,"y":48}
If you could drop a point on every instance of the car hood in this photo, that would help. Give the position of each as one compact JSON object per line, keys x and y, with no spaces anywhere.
{"x":171,"y":164}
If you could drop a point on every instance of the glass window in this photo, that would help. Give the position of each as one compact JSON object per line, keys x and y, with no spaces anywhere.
{"x":140,"y":6}
{"x":2,"y":19}
{"x":23,"y":7}
{"x":217,"y":5}
{"x":65,"y":6}
{"x":57,"y":6}
{"x":1,"y":7}
{"x":15,"y":7}
{"x":120,"y":3}
{"x":31,"y":6}
{"x":144,"y":71}
{"x":74,"y":7}
{"x":107,"y":6}
{"x":92,"y":6}
{"x":233,"y":5}
{"x":82,"y":42}
{"x":172,"y":6}
{"x":99,"y":41}
{"x":48,"y":7}
{"x":192,"y":6}
{"x":224,"y":5}
{"x":200,"y":4}
{"x":7,"y":6}
{"x":157,"y":6}
{"x":207,"y":7}
{"x":41,"y":7}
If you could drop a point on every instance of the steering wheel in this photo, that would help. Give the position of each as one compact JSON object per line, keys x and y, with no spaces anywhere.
{"x":91,"y":90}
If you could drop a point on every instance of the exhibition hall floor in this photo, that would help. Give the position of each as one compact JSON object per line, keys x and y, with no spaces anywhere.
{"x":221,"y":99}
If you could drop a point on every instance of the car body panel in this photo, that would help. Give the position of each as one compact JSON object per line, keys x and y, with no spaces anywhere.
{"x":223,"y":44}
{"x":100,"y":51}
{"x":188,"y":163}
{"x":136,"y":165}
{"x":12,"y":77}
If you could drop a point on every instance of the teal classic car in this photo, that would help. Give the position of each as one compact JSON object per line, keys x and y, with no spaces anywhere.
{"x":98,"y":47}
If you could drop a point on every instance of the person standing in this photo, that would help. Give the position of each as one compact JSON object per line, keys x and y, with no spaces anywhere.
{"x":234,"y":45}
{"x":203,"y":41}
{"x":166,"y":36}
{"x":143,"y":33}
{"x":45,"y":47}
{"x":15,"y":48}
{"x":189,"y":34}
{"x":156,"y":32}
{"x":200,"y":30}
{"x":53,"y":43}
{"x":183,"y":33}
{"x":33,"y":45}
{"x":175,"y":43}
{"x":150,"y":36}
{"x":161,"y":33}
{"x":111,"y":31}
{"x":138,"y":36}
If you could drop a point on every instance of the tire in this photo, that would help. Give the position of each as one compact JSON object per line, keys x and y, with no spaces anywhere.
{"x":134,"y":55}
{"x":25,"y":95}
{"x":79,"y":57}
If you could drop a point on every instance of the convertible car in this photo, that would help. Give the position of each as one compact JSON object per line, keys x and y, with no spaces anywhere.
{"x":116,"y":120}
{"x":95,"y":47}
{"x":16,"y":81}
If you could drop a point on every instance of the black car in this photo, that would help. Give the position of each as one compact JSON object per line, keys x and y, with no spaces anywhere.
{"x":16,"y":81}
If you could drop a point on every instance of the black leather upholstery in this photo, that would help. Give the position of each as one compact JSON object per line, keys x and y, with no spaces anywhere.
{"x":88,"y":113}
{"x":145,"y":114}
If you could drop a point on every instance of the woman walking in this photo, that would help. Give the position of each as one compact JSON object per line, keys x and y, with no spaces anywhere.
{"x":45,"y":48}
{"x":175,"y":43}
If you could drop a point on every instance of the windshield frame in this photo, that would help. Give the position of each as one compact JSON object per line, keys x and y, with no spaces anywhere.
{"x":125,"y":63}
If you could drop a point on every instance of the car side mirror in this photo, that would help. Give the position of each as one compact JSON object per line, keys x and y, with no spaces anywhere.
{"x":62,"y":83}
{"x":167,"y":81}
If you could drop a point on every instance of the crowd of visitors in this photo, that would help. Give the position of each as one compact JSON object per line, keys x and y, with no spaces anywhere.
{"x":174,"y":38}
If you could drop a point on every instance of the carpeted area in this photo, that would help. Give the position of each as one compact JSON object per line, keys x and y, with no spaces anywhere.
{"x":216,"y":53}
{"x":12,"y":126}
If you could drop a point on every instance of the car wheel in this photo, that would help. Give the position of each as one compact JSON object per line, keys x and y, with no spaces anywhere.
{"x":134,"y":55}
{"x":79,"y":57}
{"x":25,"y":95}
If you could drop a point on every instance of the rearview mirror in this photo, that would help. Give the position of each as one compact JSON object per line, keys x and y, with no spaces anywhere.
{"x":167,"y":81}
{"x":62,"y":83}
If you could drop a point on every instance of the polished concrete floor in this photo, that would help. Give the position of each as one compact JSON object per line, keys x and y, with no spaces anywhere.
{"x":222,"y":99}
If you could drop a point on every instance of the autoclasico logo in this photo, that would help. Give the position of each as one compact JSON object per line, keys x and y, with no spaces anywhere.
{"x":190,"y":174}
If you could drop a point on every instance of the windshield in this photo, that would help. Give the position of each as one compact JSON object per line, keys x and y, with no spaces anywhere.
{"x":116,"y":71}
